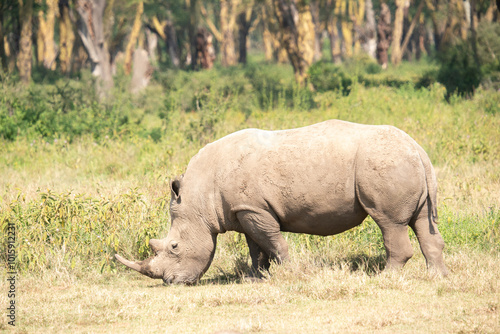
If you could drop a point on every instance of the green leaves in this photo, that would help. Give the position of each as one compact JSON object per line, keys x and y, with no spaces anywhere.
{"x":83,"y":231}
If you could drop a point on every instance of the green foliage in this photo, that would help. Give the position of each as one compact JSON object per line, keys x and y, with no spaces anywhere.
{"x":480,"y":231}
{"x":58,"y":128}
{"x":247,"y":89}
{"x":325,"y":76}
{"x":488,"y":46}
{"x":459,"y":72}
{"x":82,"y":231}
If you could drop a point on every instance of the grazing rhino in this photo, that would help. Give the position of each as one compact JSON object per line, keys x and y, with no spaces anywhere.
{"x":321,"y":179}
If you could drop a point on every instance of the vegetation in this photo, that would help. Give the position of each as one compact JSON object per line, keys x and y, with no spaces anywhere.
{"x":103,"y":101}
{"x":82,"y":180}
{"x":461,"y":73}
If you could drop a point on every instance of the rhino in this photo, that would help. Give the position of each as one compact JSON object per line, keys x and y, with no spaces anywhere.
{"x":321,"y":179}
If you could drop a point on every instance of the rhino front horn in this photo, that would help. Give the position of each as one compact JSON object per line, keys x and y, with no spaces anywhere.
{"x":132,"y":265}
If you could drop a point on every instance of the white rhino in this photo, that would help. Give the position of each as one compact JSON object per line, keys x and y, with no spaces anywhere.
{"x":321,"y":179}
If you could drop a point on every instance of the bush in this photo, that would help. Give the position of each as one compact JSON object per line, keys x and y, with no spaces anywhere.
{"x":459,"y":72}
{"x":325,"y":76}
{"x":362,"y":64}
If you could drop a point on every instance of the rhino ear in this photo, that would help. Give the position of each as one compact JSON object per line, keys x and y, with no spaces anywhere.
{"x":175,"y":187}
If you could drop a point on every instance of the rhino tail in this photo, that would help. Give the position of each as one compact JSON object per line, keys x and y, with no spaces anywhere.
{"x":431,"y":181}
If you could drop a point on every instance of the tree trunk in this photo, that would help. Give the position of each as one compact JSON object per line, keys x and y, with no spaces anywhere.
{"x":46,"y":47}
{"x":227,"y":25}
{"x":446,"y":36}
{"x":318,"y":31}
{"x":347,"y":27}
{"x":244,"y":23}
{"x":91,"y":32}
{"x":358,"y":16}
{"x":171,"y":41}
{"x":490,"y":12}
{"x":370,"y":35}
{"x":410,"y":31}
{"x":225,"y":35}
{"x":25,"y":45}
{"x":333,"y":33}
{"x":3,"y":55}
{"x":272,"y":35}
{"x":134,"y":36}
{"x":66,"y":37}
{"x":267,"y":37}
{"x":49,"y":59}
{"x":40,"y":36}
{"x":383,"y":35}
{"x":473,"y":20}
{"x":297,"y":30}
{"x":397,"y":33}
{"x":205,"y":54}
{"x":167,"y":33}
{"x":192,"y":32}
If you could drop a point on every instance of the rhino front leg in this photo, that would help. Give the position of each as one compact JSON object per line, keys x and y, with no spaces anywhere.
{"x":263,"y":229}
{"x":260,"y":259}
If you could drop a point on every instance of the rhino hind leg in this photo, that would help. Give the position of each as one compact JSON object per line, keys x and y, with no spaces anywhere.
{"x":397,"y":245}
{"x":260,"y":259}
{"x":264,"y":230}
{"x":430,"y":240}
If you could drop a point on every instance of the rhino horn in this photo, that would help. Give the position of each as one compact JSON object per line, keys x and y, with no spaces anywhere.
{"x":155,"y":245}
{"x":132,"y":265}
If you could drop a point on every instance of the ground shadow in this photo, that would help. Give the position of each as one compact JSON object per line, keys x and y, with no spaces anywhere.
{"x":371,"y":265}
{"x":243,"y":273}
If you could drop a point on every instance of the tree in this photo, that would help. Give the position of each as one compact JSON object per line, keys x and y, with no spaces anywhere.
{"x":167,"y":33}
{"x":333,"y":8}
{"x":297,"y":28}
{"x":66,"y":36}
{"x":3,"y":55}
{"x":229,"y":11}
{"x":134,"y":35}
{"x":318,"y":27}
{"x":24,"y":58}
{"x":383,"y":35}
{"x":397,"y":32}
{"x":91,"y":31}
{"x":46,"y":47}
{"x":409,"y":33}
{"x":370,"y":32}
{"x":205,"y":54}
{"x":245,"y":18}
{"x":271,"y":34}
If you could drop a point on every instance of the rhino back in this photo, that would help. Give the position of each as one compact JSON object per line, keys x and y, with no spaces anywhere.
{"x":305,"y":177}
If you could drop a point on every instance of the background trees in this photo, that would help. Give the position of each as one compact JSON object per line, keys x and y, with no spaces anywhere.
{"x":62,"y":36}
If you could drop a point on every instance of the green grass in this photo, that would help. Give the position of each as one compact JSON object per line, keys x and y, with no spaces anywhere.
{"x":89,"y":187}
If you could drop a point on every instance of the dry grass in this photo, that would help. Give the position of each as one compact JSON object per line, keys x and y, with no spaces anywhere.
{"x":296,"y":297}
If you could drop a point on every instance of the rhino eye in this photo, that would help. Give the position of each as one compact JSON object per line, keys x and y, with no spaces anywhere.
{"x":174,"y":244}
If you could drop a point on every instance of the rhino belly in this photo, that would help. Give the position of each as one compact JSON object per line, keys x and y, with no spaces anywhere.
{"x":328,"y":223}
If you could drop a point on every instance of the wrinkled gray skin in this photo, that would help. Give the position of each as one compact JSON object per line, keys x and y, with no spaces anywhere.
{"x":321,"y":179}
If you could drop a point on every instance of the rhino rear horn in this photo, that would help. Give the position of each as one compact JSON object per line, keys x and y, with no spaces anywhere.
{"x":155,"y":245}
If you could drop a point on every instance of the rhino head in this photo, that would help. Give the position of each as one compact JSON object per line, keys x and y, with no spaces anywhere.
{"x":187,"y":251}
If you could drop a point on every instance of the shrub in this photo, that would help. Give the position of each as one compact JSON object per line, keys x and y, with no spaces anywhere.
{"x":459,"y":72}
{"x":325,"y":76}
